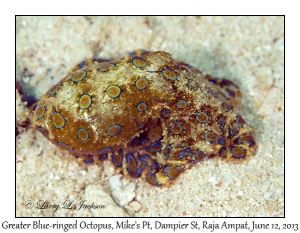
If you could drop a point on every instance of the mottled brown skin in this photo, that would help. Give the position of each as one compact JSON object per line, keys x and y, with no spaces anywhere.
{"x":170,"y":142}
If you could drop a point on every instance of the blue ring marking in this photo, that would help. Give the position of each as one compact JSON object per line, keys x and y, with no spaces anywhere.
{"x":180,"y":156}
{"x":114,"y":96}
{"x":213,"y":80}
{"x":89,"y":104}
{"x":54,"y":92}
{"x":115,"y":134}
{"x":34,"y":107}
{"x":140,"y":127}
{"x":196,"y":157}
{"x":62,"y":117}
{"x":184,"y":101}
{"x":142,"y":142}
{"x":202,"y":122}
{"x":227,"y":82}
{"x":134,"y":54}
{"x":142,"y":168}
{"x":176,"y":123}
{"x":167,"y":169}
{"x":165,"y":111}
{"x":78,"y":133}
{"x":76,"y":156}
{"x":133,"y":60}
{"x":233,"y":131}
{"x":185,"y":152}
{"x":44,"y":132}
{"x":43,"y":112}
{"x":221,"y":151}
{"x":64,"y":144}
{"x":206,"y":138}
{"x":142,"y":103}
{"x":154,"y":144}
{"x":155,"y":166}
{"x":189,"y":82}
{"x":76,"y":81}
{"x":222,"y":126}
{"x":213,"y":94}
{"x":107,"y":150}
{"x":238,"y":157}
{"x":226,"y":108}
{"x":237,"y":120}
{"x":173,"y":79}
{"x":97,"y":60}
{"x":81,"y":65}
{"x":230,"y":92}
{"x":224,"y":82}
{"x":239,"y":141}
{"x":153,"y":176}
{"x":182,"y":146}
{"x":140,"y":89}
{"x":121,"y":158}
{"x":221,"y":141}
{"x":167,"y":154}
{"x":128,"y":157}
{"x":112,"y":66}
{"x":144,"y":158}
{"x":88,"y":158}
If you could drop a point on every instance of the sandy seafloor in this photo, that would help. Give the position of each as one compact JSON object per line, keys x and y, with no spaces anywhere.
{"x":247,"y":50}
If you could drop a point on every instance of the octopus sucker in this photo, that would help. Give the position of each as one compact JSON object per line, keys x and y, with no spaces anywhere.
{"x":151,"y":116}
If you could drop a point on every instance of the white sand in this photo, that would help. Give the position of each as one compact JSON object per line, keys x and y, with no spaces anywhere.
{"x":247,"y":50}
